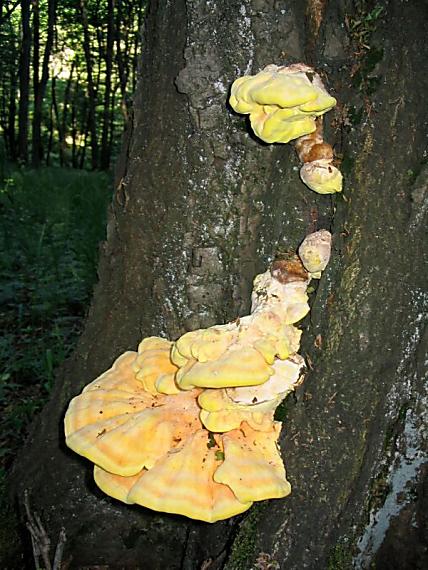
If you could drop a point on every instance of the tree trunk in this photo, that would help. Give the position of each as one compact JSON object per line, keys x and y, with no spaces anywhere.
{"x":121,"y":68}
{"x":11,"y":132}
{"x":111,"y":133}
{"x":40,"y":86}
{"x":63,"y":123}
{"x":132,"y":64}
{"x":92,"y":93}
{"x":24,"y":81}
{"x":36,"y":64}
{"x":77,"y":119}
{"x":53,"y":112}
{"x":105,"y":146}
{"x":10,"y":90}
{"x":200,"y":208}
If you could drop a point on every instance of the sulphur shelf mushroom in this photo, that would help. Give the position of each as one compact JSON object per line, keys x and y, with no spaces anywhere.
{"x":188,"y":427}
{"x":287,"y":103}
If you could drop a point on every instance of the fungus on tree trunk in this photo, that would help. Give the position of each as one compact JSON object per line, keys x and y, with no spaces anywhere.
{"x":314,"y":251}
{"x":287,"y":103}
{"x":188,"y":427}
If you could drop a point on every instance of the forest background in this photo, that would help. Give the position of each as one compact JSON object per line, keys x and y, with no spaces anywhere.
{"x":68,"y":70}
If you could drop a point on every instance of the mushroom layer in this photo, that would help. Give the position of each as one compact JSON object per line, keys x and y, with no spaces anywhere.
{"x":282,"y":101}
{"x":287,"y":103}
{"x":188,"y":427}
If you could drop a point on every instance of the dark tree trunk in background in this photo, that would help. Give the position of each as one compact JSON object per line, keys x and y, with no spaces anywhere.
{"x":53,"y":112}
{"x":36,"y":64}
{"x":92,"y":93}
{"x":40,"y":86}
{"x":121,"y":68}
{"x":62,"y":124}
{"x":11,"y":130}
{"x":9,"y":90}
{"x":24,"y":81}
{"x":105,"y":140}
{"x":132,"y":66}
{"x":75,"y":127}
{"x":85,"y":128}
{"x":200,"y":208}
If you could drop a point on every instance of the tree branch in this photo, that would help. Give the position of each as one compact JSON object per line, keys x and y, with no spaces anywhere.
{"x":40,"y":540}
{"x":8,"y":13}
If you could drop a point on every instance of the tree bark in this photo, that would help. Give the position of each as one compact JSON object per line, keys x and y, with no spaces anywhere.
{"x":132,"y":66}
{"x":36,"y":47}
{"x":200,"y":208}
{"x":36,"y":58}
{"x":75,"y":103}
{"x":53,"y":113}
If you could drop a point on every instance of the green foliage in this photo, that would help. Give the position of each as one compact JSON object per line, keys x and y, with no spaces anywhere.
{"x":340,"y":557}
{"x":365,"y":22}
{"x":114,"y":47}
{"x":244,"y":544}
{"x":51,"y":222}
{"x":361,"y":28}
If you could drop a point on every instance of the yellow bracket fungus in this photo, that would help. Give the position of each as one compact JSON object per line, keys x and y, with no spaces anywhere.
{"x":188,"y":427}
{"x":182,"y":482}
{"x":225,"y":409}
{"x":282,"y":101}
{"x":113,"y":421}
{"x":287,"y":103}
{"x":154,"y":368}
{"x":240,"y":365}
{"x":253,"y":467}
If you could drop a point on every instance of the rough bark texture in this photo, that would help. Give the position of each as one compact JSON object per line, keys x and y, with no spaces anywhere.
{"x":201,"y":206}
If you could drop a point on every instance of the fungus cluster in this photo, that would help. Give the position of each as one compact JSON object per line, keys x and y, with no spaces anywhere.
{"x":287,"y":103}
{"x":188,"y":427}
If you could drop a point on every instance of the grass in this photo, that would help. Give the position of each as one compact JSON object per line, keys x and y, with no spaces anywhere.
{"x":51,"y":222}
